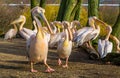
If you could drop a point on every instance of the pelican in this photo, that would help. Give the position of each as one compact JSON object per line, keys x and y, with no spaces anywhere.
{"x":105,"y":46}
{"x":59,"y":25}
{"x":73,"y":26}
{"x":88,"y":33}
{"x":11,"y":33}
{"x":56,"y":36}
{"x":24,"y":32}
{"x":65,"y":45}
{"x":54,"y":27}
{"x":116,"y":41}
{"x":38,"y":48}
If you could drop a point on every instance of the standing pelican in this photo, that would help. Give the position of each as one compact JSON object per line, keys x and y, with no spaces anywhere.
{"x":105,"y":46}
{"x":38,"y":49}
{"x":11,"y":33}
{"x":65,"y":46}
{"x":24,"y":32}
{"x":57,"y":36}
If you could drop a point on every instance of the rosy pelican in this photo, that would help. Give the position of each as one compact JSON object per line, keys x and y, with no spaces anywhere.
{"x":65,"y":46}
{"x":24,"y":32}
{"x":88,"y":33}
{"x":38,"y":48}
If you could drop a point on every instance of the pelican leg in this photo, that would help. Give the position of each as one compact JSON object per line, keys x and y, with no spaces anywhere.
{"x":89,"y":43}
{"x":49,"y":69}
{"x":32,"y":69}
{"x":59,"y":62}
{"x":66,"y":64}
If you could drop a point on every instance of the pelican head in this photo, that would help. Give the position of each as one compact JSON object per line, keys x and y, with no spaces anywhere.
{"x":66,"y":24}
{"x":39,"y":12}
{"x":96,"y":19}
{"x":58,"y":24}
{"x":22,"y":18}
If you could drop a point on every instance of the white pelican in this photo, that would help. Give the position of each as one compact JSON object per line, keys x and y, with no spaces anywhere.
{"x":65,"y":45}
{"x":73,"y":26}
{"x":24,"y":32}
{"x":38,"y":48}
{"x":54,"y":37}
{"x":11,"y":33}
{"x":54,"y":28}
{"x":105,"y":46}
{"x":87,"y":33}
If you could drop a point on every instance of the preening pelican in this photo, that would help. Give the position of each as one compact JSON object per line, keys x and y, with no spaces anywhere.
{"x":87,"y":33}
{"x":24,"y":32}
{"x":38,"y":48}
{"x":117,"y":42}
{"x":65,"y":45}
{"x":105,"y":46}
{"x":11,"y":33}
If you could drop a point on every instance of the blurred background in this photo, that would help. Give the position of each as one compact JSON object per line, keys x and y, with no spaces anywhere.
{"x":12,"y":9}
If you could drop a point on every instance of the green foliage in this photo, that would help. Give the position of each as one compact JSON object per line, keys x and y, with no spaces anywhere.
{"x":83,"y":16}
{"x":116,"y":27}
{"x":61,"y":11}
{"x":93,"y":7}
{"x":27,"y":14}
{"x":42,"y":3}
{"x":51,"y":12}
{"x":78,"y":11}
{"x":68,"y":9}
{"x":34,"y":3}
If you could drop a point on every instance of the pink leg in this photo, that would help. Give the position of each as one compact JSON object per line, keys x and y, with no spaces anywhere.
{"x":49,"y":69}
{"x":66,"y":65}
{"x":32,"y":70}
{"x":59,"y":62}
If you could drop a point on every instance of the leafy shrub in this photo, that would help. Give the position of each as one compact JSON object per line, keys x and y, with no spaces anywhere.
{"x":51,"y":12}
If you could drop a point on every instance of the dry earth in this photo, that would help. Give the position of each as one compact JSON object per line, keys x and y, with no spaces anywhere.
{"x":14,"y":64}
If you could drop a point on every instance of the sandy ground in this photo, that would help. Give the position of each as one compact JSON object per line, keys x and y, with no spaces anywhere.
{"x":14,"y":64}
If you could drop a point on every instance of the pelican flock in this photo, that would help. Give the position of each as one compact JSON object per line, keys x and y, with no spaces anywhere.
{"x":39,"y":40}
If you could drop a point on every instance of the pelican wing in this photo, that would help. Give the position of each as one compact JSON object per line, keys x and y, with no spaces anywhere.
{"x":101,"y":45}
{"x":108,"y":47}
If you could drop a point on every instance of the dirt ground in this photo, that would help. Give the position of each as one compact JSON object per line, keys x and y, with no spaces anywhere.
{"x":14,"y":64}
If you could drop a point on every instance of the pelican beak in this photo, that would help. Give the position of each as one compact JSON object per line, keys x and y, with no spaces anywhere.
{"x":37,"y":21}
{"x":42,"y":16}
{"x":100,"y":21}
{"x":39,"y":12}
{"x":17,"y":21}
